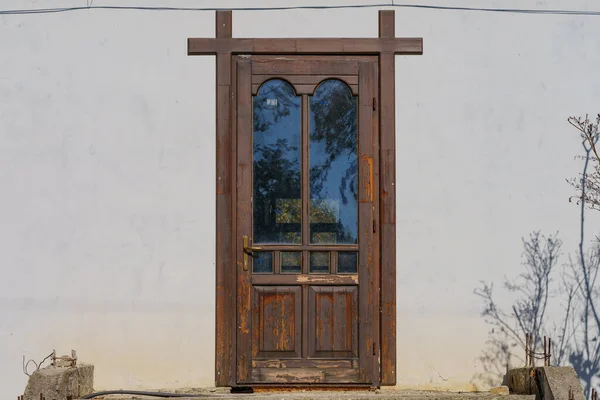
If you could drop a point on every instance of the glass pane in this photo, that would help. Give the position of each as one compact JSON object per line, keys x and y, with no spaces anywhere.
{"x":333,"y":165}
{"x":347,"y":263}
{"x":291,"y":262}
{"x":319,"y":262}
{"x":262,"y":262}
{"x":276,"y":162}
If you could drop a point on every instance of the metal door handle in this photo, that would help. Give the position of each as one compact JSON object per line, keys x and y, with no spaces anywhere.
{"x":248,"y":248}
{"x":248,"y":251}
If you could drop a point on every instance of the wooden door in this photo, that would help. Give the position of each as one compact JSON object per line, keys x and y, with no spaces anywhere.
{"x":306,"y":212}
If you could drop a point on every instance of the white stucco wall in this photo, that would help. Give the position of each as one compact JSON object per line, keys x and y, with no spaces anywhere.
{"x":107,"y":169}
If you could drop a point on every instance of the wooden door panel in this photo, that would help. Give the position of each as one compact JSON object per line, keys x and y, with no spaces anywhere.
{"x":305,"y":375}
{"x":342,"y":375}
{"x":277,"y":321}
{"x":307,"y":279}
{"x":333,"y":321}
{"x":293,"y":66}
{"x":367,"y":259}
{"x":288,"y":375}
{"x":306,"y":84}
{"x":305,"y":88}
{"x":305,"y":363}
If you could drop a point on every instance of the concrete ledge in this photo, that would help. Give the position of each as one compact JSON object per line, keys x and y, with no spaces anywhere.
{"x":60,"y":382}
{"x":548,"y":383}
{"x":555,"y":383}
{"x":381,"y":394}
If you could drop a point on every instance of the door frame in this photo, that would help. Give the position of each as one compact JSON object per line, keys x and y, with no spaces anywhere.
{"x":224,"y":46}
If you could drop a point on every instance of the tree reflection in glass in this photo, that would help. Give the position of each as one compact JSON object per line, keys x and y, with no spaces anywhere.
{"x":276,"y":164}
{"x":333,"y":165}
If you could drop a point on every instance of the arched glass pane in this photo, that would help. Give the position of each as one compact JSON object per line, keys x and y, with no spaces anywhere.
{"x":277,"y":207}
{"x":333,"y":165}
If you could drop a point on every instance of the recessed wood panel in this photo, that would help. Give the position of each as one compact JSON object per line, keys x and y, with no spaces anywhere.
{"x":333,"y":321}
{"x":276,"y":321}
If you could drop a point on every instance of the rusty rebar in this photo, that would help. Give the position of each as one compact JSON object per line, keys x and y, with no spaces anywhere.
{"x":531,"y":352}
{"x":545,"y":352}
{"x":547,"y":355}
{"x":531,"y":356}
{"x":527,"y":356}
{"x":526,"y":350}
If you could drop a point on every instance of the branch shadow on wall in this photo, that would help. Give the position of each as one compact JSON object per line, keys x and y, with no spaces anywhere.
{"x":575,"y":333}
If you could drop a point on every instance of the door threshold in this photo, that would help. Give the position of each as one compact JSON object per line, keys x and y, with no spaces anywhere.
{"x":283,"y":387}
{"x":241,"y":389}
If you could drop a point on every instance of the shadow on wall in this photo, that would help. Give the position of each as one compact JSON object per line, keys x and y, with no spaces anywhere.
{"x":577,"y":334}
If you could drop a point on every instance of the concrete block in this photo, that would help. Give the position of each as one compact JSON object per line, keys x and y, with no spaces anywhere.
{"x":500,"y":390}
{"x":522,"y":381}
{"x":555,"y":383}
{"x":58,"y":383}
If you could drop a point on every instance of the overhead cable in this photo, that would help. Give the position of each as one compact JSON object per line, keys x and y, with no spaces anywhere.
{"x":306,"y":7}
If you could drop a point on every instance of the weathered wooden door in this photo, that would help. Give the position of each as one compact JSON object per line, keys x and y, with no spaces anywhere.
{"x":306,"y":212}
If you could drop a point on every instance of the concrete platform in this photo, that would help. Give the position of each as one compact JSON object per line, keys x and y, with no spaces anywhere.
{"x":383,"y":394}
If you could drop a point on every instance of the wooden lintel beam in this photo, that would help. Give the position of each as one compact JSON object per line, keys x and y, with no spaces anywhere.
{"x":212,"y":46}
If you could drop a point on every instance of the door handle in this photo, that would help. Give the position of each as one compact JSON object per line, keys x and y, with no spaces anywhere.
{"x":248,"y":251}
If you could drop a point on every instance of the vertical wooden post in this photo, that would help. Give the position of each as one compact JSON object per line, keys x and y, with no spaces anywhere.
{"x":244,"y":190}
{"x":387,"y":182}
{"x":225,"y":273}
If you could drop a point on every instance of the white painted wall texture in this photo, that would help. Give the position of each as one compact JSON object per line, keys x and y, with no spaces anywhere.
{"x":107,"y":168}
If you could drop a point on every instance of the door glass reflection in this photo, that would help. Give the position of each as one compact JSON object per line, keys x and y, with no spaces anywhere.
{"x":319,"y":262}
{"x":333,"y":165}
{"x":347,"y":262}
{"x":291,"y":262}
{"x":277,"y":208}
{"x":262,"y":262}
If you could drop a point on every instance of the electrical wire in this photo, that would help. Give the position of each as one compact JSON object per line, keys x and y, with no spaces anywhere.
{"x":317,"y":7}
{"x":37,"y":365}
{"x":141,"y":393}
